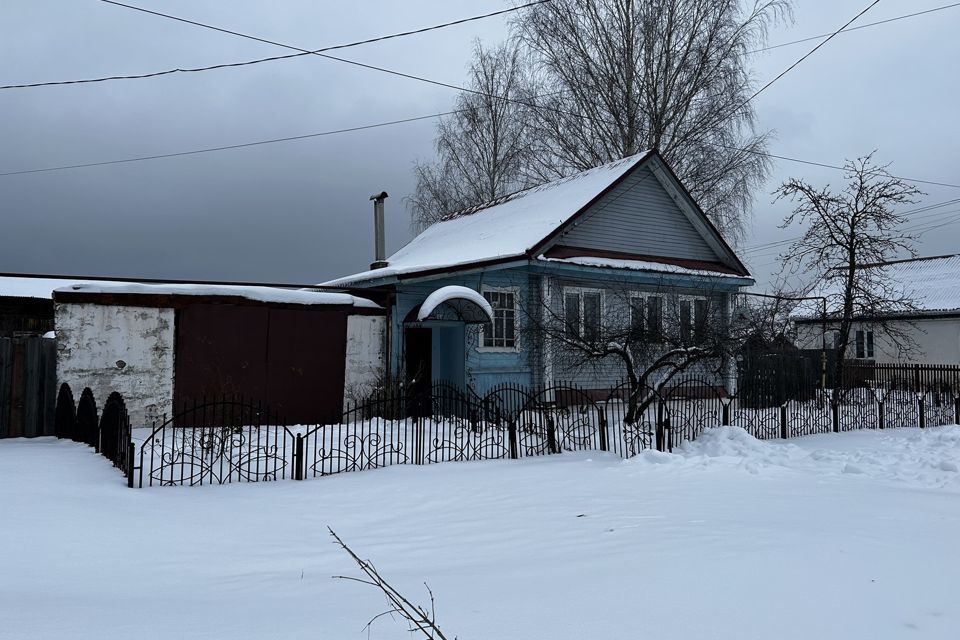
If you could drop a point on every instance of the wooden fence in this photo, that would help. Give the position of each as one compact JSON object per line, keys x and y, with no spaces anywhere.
{"x":28,"y":386}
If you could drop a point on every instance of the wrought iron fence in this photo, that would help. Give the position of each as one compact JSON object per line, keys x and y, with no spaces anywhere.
{"x":108,"y":433}
{"x":227,"y":439}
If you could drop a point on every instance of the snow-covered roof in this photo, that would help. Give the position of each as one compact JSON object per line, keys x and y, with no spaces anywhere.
{"x":260,"y":294}
{"x":26,"y":287}
{"x":643,"y":265}
{"x":932,"y":284}
{"x":508,"y":227}
{"x":451,"y":295}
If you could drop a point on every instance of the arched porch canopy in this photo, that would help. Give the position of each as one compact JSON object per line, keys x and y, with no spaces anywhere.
{"x":453,"y":303}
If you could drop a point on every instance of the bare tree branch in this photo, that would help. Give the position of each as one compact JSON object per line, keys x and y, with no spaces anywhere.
{"x":420,"y":620}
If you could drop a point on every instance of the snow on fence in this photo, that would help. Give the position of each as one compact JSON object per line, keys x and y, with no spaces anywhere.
{"x":224,"y":439}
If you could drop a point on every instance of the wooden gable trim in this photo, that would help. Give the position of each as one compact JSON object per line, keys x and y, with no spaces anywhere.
{"x":665,"y":175}
{"x":681,"y":195}
{"x":554,"y":235}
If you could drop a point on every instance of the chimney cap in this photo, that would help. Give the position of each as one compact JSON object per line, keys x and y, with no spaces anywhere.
{"x":380,"y":196}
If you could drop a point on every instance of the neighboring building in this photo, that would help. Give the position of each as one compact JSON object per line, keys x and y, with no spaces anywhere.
{"x":163,"y":347}
{"x":569,"y":249}
{"x":933,"y":286}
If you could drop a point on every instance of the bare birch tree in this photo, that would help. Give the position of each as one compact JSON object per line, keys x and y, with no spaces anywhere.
{"x":666,"y":74}
{"x":848,"y":237}
{"x":482,"y":149}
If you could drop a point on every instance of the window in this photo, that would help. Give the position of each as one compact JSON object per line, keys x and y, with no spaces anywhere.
{"x":637,"y":313}
{"x":502,"y":333}
{"x":654,"y":319}
{"x":591,"y":316}
{"x":582,"y":312}
{"x":700,"y":320}
{"x":571,"y":309}
{"x":864,"y":340}
{"x":686,"y":324}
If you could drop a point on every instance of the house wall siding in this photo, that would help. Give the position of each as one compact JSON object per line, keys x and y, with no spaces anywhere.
{"x":638,"y":216}
{"x":92,"y":341}
{"x":483,"y":369}
{"x":937,"y":340}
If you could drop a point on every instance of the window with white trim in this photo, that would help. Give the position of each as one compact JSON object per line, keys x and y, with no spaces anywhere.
{"x":864,"y":340}
{"x":582,"y":313}
{"x":502,"y":333}
{"x":646,"y":317}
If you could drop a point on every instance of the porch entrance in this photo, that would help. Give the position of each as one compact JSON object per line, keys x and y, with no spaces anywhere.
{"x":434,"y":353}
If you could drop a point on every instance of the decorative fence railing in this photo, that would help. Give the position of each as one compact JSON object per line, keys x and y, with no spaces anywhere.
{"x":225,"y":439}
{"x":108,"y":433}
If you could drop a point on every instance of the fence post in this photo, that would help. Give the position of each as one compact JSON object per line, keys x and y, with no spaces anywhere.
{"x":552,"y":435}
{"x":512,"y":431}
{"x":956,"y":410}
{"x":298,"y":458}
{"x":784,"y":427}
{"x":726,"y":414}
{"x":603,"y":432}
{"x":835,"y":409}
{"x":130,"y":452}
{"x":661,"y":441}
{"x":921,"y":410}
{"x":882,"y":414}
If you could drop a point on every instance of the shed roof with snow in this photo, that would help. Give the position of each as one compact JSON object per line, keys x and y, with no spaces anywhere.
{"x":630,"y":214}
{"x":931,"y":283}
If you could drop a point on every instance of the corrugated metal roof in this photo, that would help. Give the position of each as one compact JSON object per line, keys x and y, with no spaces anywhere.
{"x":932,"y":284}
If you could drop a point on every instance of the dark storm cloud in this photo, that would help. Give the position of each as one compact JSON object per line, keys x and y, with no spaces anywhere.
{"x":298,"y":211}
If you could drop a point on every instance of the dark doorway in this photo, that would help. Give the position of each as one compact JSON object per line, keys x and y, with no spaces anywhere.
{"x":419,"y":359}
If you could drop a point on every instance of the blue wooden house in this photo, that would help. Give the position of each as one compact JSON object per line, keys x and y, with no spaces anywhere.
{"x":461,"y":294}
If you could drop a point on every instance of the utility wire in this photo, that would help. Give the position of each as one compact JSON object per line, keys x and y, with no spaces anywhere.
{"x":228,"y":65}
{"x":862,"y":26}
{"x":808,"y":54}
{"x":425,"y":117}
{"x":228,"y":147}
{"x":363,"y":65}
{"x":244,"y":63}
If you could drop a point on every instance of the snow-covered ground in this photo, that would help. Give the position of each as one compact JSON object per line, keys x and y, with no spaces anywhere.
{"x":852,"y":535}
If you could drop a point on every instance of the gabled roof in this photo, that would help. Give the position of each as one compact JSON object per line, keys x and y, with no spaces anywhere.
{"x":516,"y":227}
{"x":932,"y":283}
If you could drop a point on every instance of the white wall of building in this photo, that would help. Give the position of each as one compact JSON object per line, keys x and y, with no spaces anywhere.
{"x":366,"y":355}
{"x":118,"y":348}
{"x":937,"y":341}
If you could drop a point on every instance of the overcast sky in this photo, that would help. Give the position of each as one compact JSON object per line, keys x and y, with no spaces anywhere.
{"x":299,"y":211}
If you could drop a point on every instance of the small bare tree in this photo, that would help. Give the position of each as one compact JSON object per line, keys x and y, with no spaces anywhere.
{"x":646,"y":338}
{"x":483,"y":148}
{"x":849,"y":235}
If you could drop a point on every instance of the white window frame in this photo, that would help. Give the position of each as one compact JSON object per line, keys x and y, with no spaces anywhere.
{"x":579,"y":291}
{"x":692,"y":298}
{"x":516,"y":324}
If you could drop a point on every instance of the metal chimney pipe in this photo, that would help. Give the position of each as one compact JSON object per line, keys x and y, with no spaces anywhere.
{"x":379,"y":250}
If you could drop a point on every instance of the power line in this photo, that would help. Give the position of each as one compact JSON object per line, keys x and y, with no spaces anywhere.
{"x":255,"y":61}
{"x":863,"y":26}
{"x":435,"y":82}
{"x":363,"y":65}
{"x":228,"y":147}
{"x":244,"y":63}
{"x":808,"y":54}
